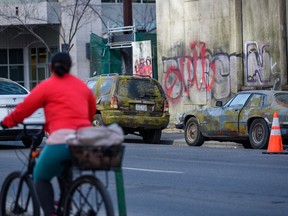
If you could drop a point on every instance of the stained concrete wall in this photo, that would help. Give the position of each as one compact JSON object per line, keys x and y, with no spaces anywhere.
{"x":210,"y":49}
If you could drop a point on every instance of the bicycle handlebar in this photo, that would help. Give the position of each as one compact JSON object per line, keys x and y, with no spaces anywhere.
{"x":33,"y":130}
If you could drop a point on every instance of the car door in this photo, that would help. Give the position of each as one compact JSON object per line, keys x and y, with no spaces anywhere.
{"x":230,"y":114}
{"x":210,"y":121}
{"x":256,"y":106}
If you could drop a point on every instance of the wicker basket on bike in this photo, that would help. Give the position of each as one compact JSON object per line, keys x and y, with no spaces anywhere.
{"x":97,"y":148}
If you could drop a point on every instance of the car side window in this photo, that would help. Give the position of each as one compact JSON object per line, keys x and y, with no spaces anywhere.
{"x":106,"y":86}
{"x":101,"y":86}
{"x":282,"y":99}
{"x":239,"y":100}
{"x":91,"y":85}
{"x":257,"y":100}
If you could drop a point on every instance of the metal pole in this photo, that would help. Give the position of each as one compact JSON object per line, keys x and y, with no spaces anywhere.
{"x":120,"y":192}
{"x":127,"y":12}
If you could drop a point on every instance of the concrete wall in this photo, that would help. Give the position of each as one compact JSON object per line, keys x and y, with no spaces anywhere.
{"x":29,"y":13}
{"x":208,"y":50}
{"x":264,"y":26}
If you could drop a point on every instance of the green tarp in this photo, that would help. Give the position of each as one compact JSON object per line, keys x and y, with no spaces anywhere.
{"x":104,"y":60}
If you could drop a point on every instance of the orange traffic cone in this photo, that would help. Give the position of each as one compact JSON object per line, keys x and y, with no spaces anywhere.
{"x":275,"y":142}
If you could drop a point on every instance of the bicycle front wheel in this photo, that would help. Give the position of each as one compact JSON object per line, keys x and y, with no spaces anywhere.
{"x":23,"y":204}
{"x":88,"y":196}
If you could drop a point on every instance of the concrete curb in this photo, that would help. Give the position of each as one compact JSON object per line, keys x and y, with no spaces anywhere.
{"x":176,"y":137}
{"x":210,"y":144}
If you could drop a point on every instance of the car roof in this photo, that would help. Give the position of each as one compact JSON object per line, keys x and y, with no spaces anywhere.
{"x":119,"y":75}
{"x":263,"y":91}
{"x":6,"y":80}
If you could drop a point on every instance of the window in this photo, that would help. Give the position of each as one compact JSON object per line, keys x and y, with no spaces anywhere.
{"x":12,"y":65}
{"x":42,"y":55}
{"x":137,"y":88}
{"x":282,"y":98}
{"x":39,"y":64}
{"x":238,"y":100}
{"x":4,"y":71}
{"x":16,"y":56}
{"x":257,"y":100}
{"x":3,"y":56}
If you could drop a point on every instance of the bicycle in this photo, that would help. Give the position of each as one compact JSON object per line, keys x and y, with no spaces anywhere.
{"x":17,"y":193}
{"x":85,"y":195}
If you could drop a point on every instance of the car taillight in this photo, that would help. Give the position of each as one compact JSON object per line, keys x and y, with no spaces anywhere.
{"x":166,"y":106}
{"x":114,"y":102}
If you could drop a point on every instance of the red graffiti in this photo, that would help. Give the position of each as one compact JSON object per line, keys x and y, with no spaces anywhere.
{"x":178,"y":80}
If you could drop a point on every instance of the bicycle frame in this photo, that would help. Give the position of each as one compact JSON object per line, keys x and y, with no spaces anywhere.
{"x":64,"y":191}
{"x":31,"y":163}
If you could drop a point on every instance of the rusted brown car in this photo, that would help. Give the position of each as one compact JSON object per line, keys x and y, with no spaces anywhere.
{"x":138,"y":104}
{"x":246,"y":118}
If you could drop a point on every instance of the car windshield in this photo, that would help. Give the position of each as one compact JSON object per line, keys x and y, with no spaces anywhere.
{"x":138,"y":88}
{"x":282,"y":98}
{"x":10,"y":88}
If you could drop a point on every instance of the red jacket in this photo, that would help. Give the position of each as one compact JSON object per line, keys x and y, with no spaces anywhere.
{"x":67,"y":102}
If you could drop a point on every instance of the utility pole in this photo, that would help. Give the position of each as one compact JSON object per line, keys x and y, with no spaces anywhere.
{"x":127,"y":12}
{"x":126,"y":53}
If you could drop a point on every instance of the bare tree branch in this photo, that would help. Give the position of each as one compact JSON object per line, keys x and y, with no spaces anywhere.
{"x":98,"y":14}
{"x":28,"y":14}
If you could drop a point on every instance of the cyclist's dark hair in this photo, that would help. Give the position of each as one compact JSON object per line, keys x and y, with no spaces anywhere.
{"x":61,"y":63}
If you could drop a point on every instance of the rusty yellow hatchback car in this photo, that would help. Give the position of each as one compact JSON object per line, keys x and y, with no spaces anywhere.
{"x":246,"y":118}
{"x":138,"y":104}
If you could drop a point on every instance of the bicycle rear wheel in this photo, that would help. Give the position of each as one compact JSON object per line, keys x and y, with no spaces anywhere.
{"x":26,"y":204}
{"x":88,"y":196}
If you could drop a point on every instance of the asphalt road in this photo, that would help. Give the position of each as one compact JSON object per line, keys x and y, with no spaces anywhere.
{"x":173,"y":179}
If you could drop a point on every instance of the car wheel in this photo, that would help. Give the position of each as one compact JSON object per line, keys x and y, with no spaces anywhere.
{"x":98,"y":121}
{"x":259,"y":134}
{"x":192,"y":133}
{"x":28,"y":142}
{"x":151,"y":136}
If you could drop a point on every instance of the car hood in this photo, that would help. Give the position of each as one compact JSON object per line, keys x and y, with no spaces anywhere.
{"x":9,"y":102}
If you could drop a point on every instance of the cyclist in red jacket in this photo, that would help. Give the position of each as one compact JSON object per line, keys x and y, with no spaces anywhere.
{"x":68,"y":105}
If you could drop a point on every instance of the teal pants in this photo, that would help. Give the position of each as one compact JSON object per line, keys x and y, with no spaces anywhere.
{"x":49,"y":164}
{"x":50,"y":161}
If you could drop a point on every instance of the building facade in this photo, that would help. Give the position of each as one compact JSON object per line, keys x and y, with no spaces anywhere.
{"x":32,"y":31}
{"x":210,"y":49}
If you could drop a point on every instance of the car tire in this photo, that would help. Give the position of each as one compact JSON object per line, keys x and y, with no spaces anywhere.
{"x":259,"y":134}
{"x":28,"y":142}
{"x":151,"y":136}
{"x":192,"y":133}
{"x":98,"y":121}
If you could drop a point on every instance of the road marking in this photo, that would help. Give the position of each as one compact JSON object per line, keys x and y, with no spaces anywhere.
{"x":152,"y":170}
